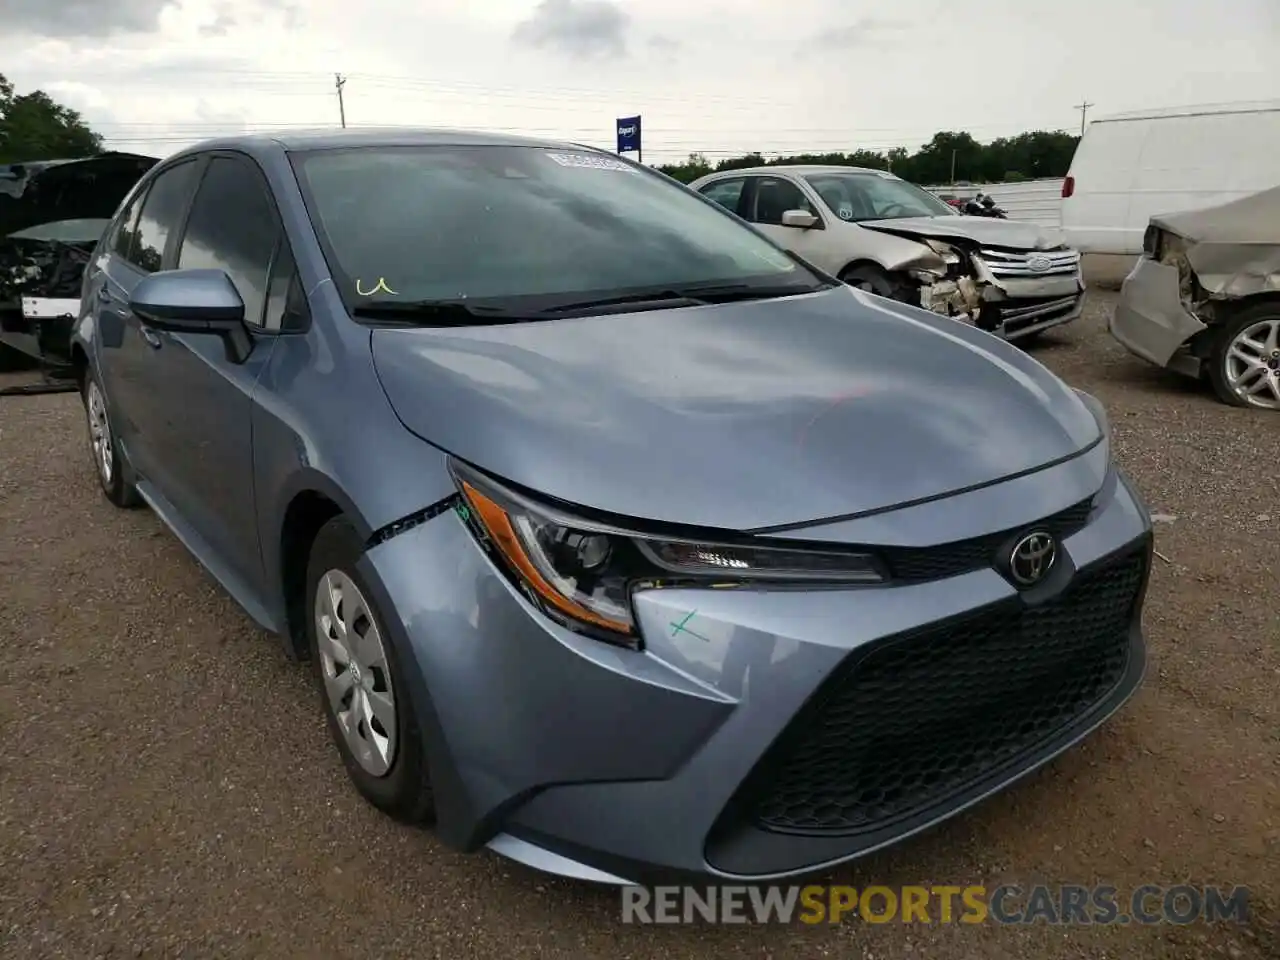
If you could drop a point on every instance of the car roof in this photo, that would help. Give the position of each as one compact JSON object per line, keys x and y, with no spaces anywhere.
{"x":1194,"y":110}
{"x":799,"y":169}
{"x":329,"y":138}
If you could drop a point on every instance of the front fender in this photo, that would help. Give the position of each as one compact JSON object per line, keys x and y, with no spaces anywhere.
{"x":312,"y":436}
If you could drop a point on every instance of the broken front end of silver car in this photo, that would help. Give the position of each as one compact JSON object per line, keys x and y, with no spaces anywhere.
{"x":1009,"y":292}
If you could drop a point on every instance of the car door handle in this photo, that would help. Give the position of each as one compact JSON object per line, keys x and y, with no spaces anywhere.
{"x":152,"y":339}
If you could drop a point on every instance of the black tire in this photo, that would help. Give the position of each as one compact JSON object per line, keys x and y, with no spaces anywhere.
{"x":872,"y":279}
{"x":404,"y":790}
{"x":118,"y":486}
{"x":1224,"y":337}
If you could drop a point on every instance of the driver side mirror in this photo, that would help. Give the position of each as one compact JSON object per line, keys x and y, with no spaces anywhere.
{"x":194,"y":301}
{"x":800,"y":219}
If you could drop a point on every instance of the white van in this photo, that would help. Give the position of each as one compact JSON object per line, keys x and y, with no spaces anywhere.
{"x":1131,"y":166}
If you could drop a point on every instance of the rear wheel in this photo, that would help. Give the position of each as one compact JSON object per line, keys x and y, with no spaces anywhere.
{"x":115,"y":476}
{"x":1244,"y":366}
{"x":363,"y":690}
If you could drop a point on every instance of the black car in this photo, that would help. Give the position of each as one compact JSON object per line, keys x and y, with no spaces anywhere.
{"x":52,"y":213}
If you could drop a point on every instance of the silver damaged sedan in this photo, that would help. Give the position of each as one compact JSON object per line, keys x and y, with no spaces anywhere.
{"x":622,"y":542}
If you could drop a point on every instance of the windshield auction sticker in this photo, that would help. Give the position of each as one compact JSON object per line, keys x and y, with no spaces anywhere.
{"x":586,"y":161}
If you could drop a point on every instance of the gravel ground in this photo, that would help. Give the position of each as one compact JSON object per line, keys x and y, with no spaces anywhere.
{"x":167,"y":788}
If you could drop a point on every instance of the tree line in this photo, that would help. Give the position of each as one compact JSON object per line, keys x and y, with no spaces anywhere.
{"x":948,"y":157}
{"x":34,"y":126}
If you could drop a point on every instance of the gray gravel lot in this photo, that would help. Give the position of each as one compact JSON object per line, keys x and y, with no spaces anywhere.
{"x":167,"y":788}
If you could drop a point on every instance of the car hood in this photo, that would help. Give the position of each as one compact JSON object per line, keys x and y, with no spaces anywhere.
{"x":86,"y":190}
{"x":738,"y":416}
{"x":987,"y":231}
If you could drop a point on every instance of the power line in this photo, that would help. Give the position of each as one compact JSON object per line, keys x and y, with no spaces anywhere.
{"x":523,"y":96}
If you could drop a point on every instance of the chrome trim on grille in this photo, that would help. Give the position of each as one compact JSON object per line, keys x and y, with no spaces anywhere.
{"x":1036,"y":309}
{"x":1010,"y":263}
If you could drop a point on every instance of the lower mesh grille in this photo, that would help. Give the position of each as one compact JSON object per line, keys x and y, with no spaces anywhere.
{"x":923,"y":716}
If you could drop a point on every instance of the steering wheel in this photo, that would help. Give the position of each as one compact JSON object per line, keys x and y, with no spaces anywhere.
{"x":888,"y":211}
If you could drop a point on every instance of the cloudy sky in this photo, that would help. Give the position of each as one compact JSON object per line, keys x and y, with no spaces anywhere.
{"x":711,"y":76}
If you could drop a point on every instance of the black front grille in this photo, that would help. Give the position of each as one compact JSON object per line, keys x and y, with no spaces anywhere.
{"x":921,"y":717}
{"x":917,"y":564}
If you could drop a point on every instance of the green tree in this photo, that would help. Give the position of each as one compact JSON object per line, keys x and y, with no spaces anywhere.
{"x":1033,"y":155}
{"x":34,"y":126}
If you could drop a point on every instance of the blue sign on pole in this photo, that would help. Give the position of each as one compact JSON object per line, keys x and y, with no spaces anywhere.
{"x":628,"y":134}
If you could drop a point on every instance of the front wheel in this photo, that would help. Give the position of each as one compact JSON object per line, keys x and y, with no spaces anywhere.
{"x":1244,"y":366}
{"x":363,"y":689}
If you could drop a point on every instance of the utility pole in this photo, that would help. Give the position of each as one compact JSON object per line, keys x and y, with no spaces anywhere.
{"x":1084,"y":112}
{"x":339,"y":81}
{"x":953,"y":167}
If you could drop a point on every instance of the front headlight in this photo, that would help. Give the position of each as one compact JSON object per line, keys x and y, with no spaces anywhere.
{"x":945,"y":257}
{"x":582,"y":572}
{"x":948,"y":253}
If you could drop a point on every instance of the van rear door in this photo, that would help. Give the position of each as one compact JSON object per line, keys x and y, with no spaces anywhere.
{"x":1096,"y":215}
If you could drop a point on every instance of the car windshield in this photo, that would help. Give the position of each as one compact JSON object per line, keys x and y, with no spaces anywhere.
{"x":522,"y":228}
{"x":873,"y":195}
{"x":64,"y":231}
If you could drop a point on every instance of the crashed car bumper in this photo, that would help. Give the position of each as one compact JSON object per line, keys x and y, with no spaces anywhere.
{"x":1150,"y":319}
{"x":1010,"y":308}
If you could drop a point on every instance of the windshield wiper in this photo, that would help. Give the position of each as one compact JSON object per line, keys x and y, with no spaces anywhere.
{"x":444,"y":313}
{"x":689,"y":296}
{"x":732,"y":292}
{"x":648,"y":300}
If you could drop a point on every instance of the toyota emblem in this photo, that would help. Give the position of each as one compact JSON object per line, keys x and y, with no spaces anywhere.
{"x":1039,"y":264}
{"x":1032,"y":558}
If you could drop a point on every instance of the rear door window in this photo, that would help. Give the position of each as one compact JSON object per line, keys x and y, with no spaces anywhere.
{"x":727,"y":193}
{"x":161,"y":215}
{"x":125,"y":231}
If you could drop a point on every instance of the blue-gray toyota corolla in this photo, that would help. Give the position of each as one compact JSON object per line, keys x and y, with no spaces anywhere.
{"x":622,"y":542}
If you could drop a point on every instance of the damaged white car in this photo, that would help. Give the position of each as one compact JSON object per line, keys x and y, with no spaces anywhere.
{"x":878,"y":232}
{"x":1204,"y":298}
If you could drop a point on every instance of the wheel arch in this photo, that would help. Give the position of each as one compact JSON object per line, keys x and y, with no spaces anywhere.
{"x":311,"y":502}
{"x":79,"y":363}
{"x":857,"y":262}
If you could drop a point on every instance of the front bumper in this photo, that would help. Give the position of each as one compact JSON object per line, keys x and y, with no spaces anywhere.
{"x":594,"y":761}
{"x":1016,"y":303}
{"x":1010,"y":307}
{"x":1151,"y":321}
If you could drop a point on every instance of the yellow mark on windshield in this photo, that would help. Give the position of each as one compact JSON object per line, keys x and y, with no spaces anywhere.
{"x":379,"y":287}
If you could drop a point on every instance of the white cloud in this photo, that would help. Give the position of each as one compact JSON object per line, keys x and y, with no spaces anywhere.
{"x":80,"y":18}
{"x":579,"y":28}
{"x":719,"y":77}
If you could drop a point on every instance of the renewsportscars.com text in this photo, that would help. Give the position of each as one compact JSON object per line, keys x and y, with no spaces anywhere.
{"x":1066,"y":904}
